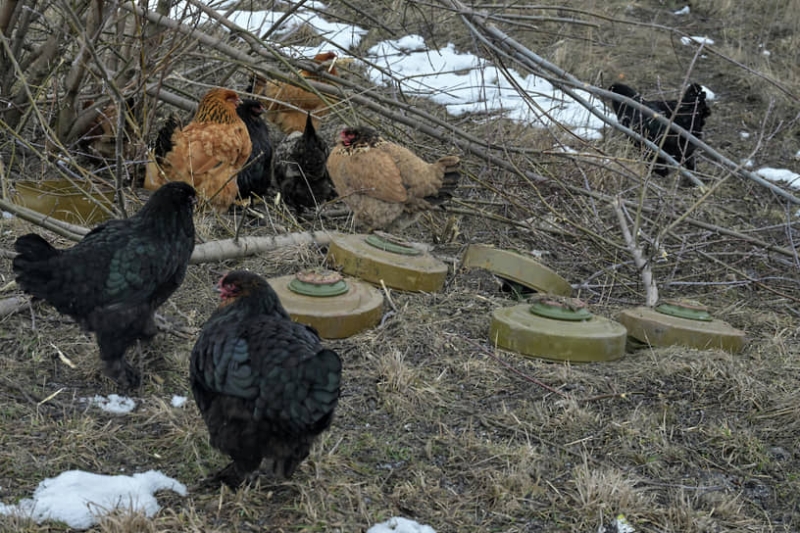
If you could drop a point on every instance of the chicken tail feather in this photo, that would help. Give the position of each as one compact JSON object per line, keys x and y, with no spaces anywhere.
{"x":164,"y":144}
{"x":450,"y":179}
{"x":31,"y":265}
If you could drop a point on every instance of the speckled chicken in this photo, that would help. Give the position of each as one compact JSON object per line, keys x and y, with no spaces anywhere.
{"x":300,"y":171}
{"x":256,"y":176}
{"x":113,"y":280}
{"x":264,"y":384}
{"x":207,"y":153}
{"x":690,"y":113}
{"x":383,"y":183}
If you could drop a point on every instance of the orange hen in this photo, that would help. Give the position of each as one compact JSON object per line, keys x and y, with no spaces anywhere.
{"x":292,"y":117}
{"x":207,"y":153}
{"x":384,"y":184}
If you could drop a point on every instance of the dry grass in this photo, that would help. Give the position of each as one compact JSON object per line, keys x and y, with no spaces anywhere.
{"x":430,"y":425}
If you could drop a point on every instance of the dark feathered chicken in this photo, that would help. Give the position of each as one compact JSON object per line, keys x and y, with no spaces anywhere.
{"x":385,"y":184}
{"x":690,"y":113}
{"x":255,"y":178}
{"x":300,"y":171}
{"x":113,"y":281}
{"x":265,"y":386}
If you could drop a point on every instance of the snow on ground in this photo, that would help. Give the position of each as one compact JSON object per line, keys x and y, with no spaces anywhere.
{"x":465,"y":83}
{"x":398,"y":524}
{"x":178,"y":401}
{"x":696,"y":40}
{"x":780,"y":174}
{"x":77,"y":498}
{"x":336,"y":34}
{"x":114,"y":403}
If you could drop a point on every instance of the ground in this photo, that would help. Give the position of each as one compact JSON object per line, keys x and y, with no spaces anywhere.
{"x":434,"y":422}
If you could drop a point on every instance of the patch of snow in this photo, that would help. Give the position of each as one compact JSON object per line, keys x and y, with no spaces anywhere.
{"x":178,"y":401}
{"x":335,"y":34}
{"x":77,"y":498}
{"x":114,"y":403}
{"x":685,"y":10}
{"x":465,"y":83}
{"x":398,"y":524}
{"x":744,"y":134}
{"x":780,"y":174}
{"x":565,"y":149}
{"x":696,"y":40}
{"x":313,"y":4}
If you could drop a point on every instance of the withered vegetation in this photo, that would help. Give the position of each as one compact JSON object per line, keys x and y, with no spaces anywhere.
{"x":435,"y":423}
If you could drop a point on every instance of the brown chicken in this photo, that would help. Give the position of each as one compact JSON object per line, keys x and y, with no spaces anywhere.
{"x":288,"y":117}
{"x":383,"y":182}
{"x":207,"y":153}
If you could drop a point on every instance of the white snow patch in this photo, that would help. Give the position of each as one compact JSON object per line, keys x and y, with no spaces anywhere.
{"x":465,"y":83}
{"x":744,"y":134}
{"x":335,"y":34}
{"x":398,"y":524}
{"x":114,"y":403}
{"x":696,"y":40}
{"x":178,"y":401}
{"x":780,"y":174}
{"x":77,"y":498}
{"x":685,"y":10}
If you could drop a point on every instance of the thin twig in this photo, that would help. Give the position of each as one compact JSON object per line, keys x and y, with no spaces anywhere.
{"x":650,"y":288}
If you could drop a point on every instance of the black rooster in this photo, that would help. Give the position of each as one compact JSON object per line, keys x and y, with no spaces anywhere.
{"x":690,"y":113}
{"x":300,"y":170}
{"x":113,"y":281}
{"x":255,"y":178}
{"x":265,"y":386}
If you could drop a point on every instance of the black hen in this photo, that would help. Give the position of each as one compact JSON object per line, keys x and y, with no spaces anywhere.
{"x":113,"y":281}
{"x":265,"y":386}
{"x":690,"y":113}
{"x":255,"y":178}
{"x":300,"y":170}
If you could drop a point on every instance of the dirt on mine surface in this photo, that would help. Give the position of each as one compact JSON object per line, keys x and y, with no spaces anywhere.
{"x":434,"y":422}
